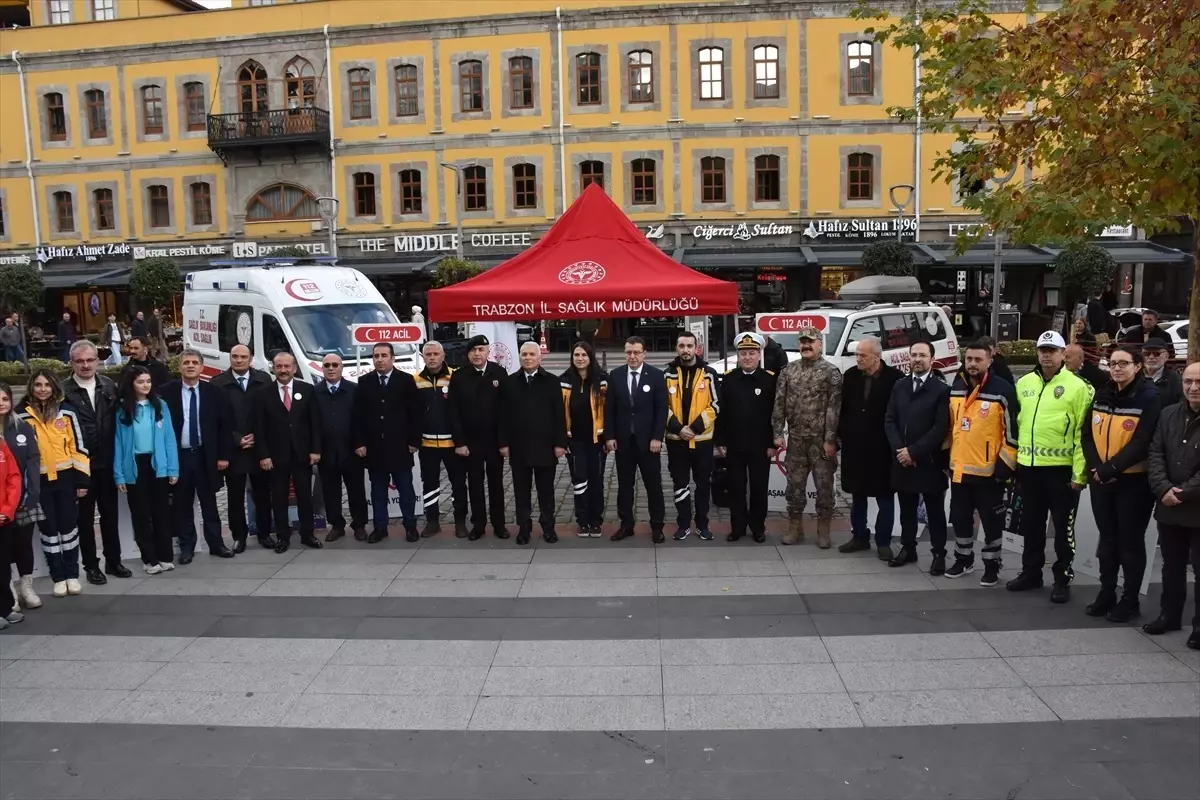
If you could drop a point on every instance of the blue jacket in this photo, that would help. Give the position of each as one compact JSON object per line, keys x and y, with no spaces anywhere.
{"x":164,"y":458}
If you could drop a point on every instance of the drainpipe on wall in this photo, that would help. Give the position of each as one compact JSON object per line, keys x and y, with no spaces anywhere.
{"x":37,"y":219}
{"x":917,"y":167}
{"x":333,"y":181}
{"x":562,"y":113}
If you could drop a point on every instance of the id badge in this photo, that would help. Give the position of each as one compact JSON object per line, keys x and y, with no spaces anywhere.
{"x":966,"y":424}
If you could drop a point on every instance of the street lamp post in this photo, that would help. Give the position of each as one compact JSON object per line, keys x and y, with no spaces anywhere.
{"x":329,"y":213}
{"x":997,"y":261}
{"x":459,"y":208}
{"x":901,"y":206}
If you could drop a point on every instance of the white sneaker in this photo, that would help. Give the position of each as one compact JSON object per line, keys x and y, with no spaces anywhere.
{"x":60,"y":589}
{"x":152,"y":569}
{"x":73,"y":586}
{"x":167,"y":566}
{"x":14,"y":618}
{"x":25,"y":594}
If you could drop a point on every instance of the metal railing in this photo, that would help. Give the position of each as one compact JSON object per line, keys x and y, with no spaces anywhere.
{"x":257,"y":127}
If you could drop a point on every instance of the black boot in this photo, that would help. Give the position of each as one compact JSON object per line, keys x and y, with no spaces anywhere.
{"x":239,"y":546}
{"x":1163,"y":624}
{"x":267,"y":541}
{"x":907,"y":555}
{"x":1126,"y":610}
{"x":460,"y":529}
{"x":433,"y":526}
{"x":1025,"y":581}
{"x":937,"y":568}
{"x":410,"y":533}
{"x":1193,"y":641}
{"x":1103,"y":603}
{"x":1060,"y":592}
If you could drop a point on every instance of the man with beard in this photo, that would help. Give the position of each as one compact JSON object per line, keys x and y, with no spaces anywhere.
{"x":808,"y":401}
{"x":139,"y":356}
{"x":475,"y":400}
{"x":692,"y":407}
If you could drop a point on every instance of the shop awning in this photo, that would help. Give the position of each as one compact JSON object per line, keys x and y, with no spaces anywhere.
{"x":593,"y":263}
{"x":83,"y":277}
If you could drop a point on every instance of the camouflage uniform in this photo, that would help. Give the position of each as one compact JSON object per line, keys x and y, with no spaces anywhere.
{"x":808,"y":401}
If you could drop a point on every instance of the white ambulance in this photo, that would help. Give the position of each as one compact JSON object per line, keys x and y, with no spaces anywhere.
{"x":306,"y":311}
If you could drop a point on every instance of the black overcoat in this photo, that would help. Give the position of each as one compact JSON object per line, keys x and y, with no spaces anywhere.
{"x":866,"y":452}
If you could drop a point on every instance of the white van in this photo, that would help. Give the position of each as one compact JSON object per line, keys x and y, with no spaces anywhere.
{"x":896,"y":325}
{"x":307,"y":311}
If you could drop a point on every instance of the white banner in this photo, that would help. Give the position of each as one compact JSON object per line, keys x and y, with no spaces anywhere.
{"x":503,"y":336}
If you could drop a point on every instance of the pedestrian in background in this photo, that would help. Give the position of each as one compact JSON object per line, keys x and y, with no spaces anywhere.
{"x":635,"y":421}
{"x":156,"y":331}
{"x":10,"y":339}
{"x":999,"y":366}
{"x":1156,"y":353}
{"x":693,"y":402}
{"x":138,"y":326}
{"x":866,"y":391}
{"x":744,"y":438}
{"x":115,"y":338}
{"x":139,"y":356}
{"x":1116,"y":442}
{"x":66,"y":472}
{"x":66,"y":335}
{"x":585,"y":392}
{"x":146,"y":466}
{"x":22,"y":443}
{"x":475,"y":397}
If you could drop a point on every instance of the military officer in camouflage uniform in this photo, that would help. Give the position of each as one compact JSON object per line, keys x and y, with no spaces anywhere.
{"x":808,"y":401}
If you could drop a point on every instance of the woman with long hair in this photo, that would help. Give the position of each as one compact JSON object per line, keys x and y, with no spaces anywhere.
{"x":584,"y":387}
{"x":66,"y":474}
{"x":22,"y":443}
{"x":145,"y":465}
{"x":1116,"y":445}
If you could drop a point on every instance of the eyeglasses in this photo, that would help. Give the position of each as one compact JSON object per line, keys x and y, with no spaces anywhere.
{"x":1120,"y":364}
{"x":1191,"y":381}
{"x":330,"y":366}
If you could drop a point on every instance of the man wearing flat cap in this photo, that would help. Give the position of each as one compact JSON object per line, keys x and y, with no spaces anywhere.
{"x":744,"y":437}
{"x":808,"y":402}
{"x":475,"y":397}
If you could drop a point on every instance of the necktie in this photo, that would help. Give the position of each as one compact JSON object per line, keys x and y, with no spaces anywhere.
{"x":383,"y":381}
{"x":529,"y":379}
{"x":634,"y":387}
{"x":287,"y":396}
{"x":193,"y":419}
{"x":242,"y":382}
{"x":917,"y":384}
{"x":333,"y":389}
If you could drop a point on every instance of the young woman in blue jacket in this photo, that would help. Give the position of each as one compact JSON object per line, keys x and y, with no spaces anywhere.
{"x":145,"y":464}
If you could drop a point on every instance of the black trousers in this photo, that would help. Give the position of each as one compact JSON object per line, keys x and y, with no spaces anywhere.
{"x":985,"y":496}
{"x":352,"y":473}
{"x":1122,"y":511}
{"x":524,"y":479}
{"x":749,"y":475}
{"x":432,"y":459}
{"x":587,"y":461}
{"x":150,"y":509}
{"x":102,"y":495}
{"x":285,"y":478}
{"x":195,"y":482}
{"x":935,"y":515}
{"x":1176,"y":542}
{"x":687,"y":464}
{"x":7,"y":533}
{"x":486,"y":463}
{"x":630,"y":460}
{"x":22,"y":548}
{"x":1047,"y":490}
{"x":60,"y":526}
{"x":235,"y":491}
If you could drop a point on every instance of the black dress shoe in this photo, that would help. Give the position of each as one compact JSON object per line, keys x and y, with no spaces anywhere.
{"x":500,"y":532}
{"x":937,"y":568}
{"x":360,"y":534}
{"x":239,"y":546}
{"x":733,"y":537}
{"x":1193,"y":641}
{"x":411,"y":534}
{"x":657,"y":536}
{"x":549,"y":536}
{"x":95,"y":576}
{"x":1124,"y":611}
{"x":1060,"y":593}
{"x":475,"y":535}
{"x":311,"y":541}
{"x":1024,"y":582}
{"x":1103,"y":604}
{"x":460,"y":529}
{"x":118,"y":570}
{"x":907,"y":555}
{"x":432,"y":528}
{"x":335,"y":534}
{"x":224,"y":552}
{"x":186,"y":558}
{"x":523,"y":538}
{"x":622,"y":533}
{"x":760,"y":537}
{"x":1162,"y":625}
{"x":282,"y":546}
{"x":377,"y":536}
{"x":267,"y":541}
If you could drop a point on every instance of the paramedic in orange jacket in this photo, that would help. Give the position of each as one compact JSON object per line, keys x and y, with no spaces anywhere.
{"x":585,"y":390}
{"x":1116,"y":443}
{"x":983,"y":456}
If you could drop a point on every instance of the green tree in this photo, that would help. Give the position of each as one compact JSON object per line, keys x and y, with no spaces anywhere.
{"x":1084,"y":269}
{"x":21,"y":289}
{"x":155,"y":281}
{"x":887,"y":258}
{"x":452,"y":270}
{"x":302,"y":256}
{"x":1094,"y":105}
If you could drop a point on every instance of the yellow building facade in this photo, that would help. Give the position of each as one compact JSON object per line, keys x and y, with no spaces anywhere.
{"x":736,"y":134}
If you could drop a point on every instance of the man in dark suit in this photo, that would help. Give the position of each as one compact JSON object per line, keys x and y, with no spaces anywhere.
{"x":917,"y":419}
{"x":744,"y":437}
{"x":201,"y":420}
{"x":635,"y":422}
{"x":475,"y":399}
{"x":339,"y":463}
{"x":387,"y":432}
{"x":533,"y":436}
{"x":238,"y":385}
{"x":287,"y":441}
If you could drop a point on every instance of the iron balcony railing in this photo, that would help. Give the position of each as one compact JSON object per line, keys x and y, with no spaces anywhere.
{"x":277,"y":126}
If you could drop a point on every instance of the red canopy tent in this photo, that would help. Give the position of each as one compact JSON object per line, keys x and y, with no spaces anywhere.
{"x":593,"y":263}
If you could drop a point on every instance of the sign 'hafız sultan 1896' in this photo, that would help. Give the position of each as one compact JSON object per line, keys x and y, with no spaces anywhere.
{"x":859,"y":228}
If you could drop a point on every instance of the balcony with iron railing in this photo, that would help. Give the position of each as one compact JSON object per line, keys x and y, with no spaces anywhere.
{"x":289,"y":128}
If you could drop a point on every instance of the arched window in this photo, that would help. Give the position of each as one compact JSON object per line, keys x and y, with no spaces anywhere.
{"x":64,"y":212}
{"x":360,"y":93}
{"x":712,"y":73}
{"x":591,"y":172}
{"x":97,"y":116}
{"x":106,"y":220}
{"x":56,"y":117}
{"x":587,"y":78}
{"x":766,"y":72}
{"x":766,"y":179}
{"x":283,"y":201}
{"x":641,"y":76}
{"x":408,"y":103}
{"x":193,"y":94}
{"x":645,"y":184}
{"x":364,"y":194}
{"x":860,"y":169}
{"x":524,"y":186}
{"x":860,"y":64}
{"x":201,"y":203}
{"x":152,"y":109}
{"x":520,"y":77}
{"x":712,"y":179}
{"x":410,"y":191}
{"x":470,"y":86}
{"x":475,"y":188}
{"x":252,"y":88}
{"x":301,"y":83}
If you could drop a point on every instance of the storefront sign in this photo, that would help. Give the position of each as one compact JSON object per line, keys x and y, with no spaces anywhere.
{"x":178,"y":252}
{"x":256,"y":250}
{"x":445,"y":242}
{"x":1117,"y":232}
{"x":741,"y":232}
{"x":789,"y":323}
{"x":22,"y":258}
{"x":85,"y":252}
{"x":859,"y":228}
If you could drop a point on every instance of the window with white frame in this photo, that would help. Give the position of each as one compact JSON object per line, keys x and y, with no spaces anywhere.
{"x":104,"y":9}
{"x":712,"y":73}
{"x":60,"y":12}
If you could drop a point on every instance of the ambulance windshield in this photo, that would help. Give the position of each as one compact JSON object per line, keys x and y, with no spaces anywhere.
{"x":325,"y":329}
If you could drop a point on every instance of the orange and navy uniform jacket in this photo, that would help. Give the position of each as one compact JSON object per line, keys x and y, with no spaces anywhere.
{"x":11,"y":484}
{"x":702,"y":409}
{"x":60,"y":443}
{"x":437,"y":423}
{"x":570,"y":382}
{"x":983,"y":428}
{"x":1116,"y":440}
